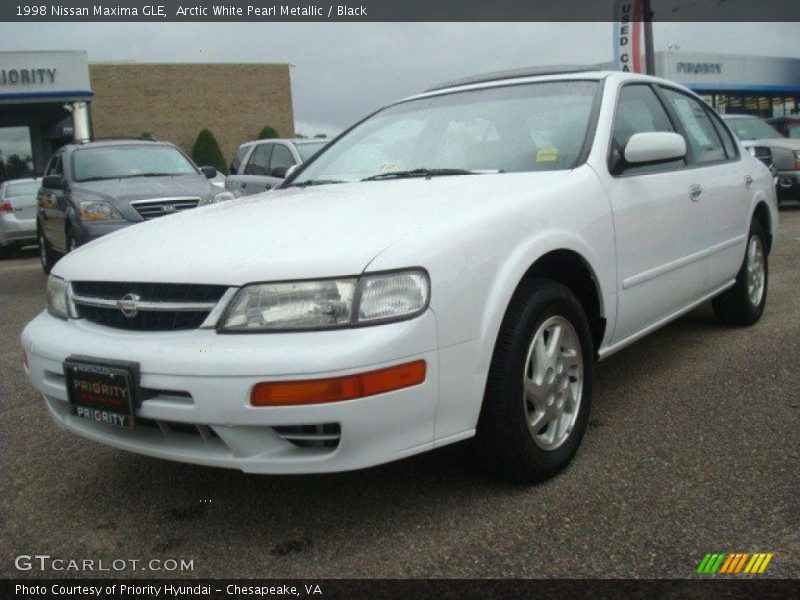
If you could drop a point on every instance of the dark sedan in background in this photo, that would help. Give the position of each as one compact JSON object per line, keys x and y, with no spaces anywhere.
{"x":92,"y":189}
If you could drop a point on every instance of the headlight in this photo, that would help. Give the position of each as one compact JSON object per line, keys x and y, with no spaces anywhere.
{"x":97,"y":210}
{"x":751,"y":150}
{"x":221,"y":197}
{"x":57,"y":297}
{"x":327,"y":304}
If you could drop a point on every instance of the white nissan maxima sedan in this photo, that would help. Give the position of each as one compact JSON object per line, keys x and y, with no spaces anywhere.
{"x":452,"y":266}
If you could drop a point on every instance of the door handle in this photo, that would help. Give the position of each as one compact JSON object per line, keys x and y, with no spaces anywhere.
{"x":748,"y":181}
{"x":696,"y":192}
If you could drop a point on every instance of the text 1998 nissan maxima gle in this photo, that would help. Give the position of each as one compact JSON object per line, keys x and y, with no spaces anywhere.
{"x":451,"y":266}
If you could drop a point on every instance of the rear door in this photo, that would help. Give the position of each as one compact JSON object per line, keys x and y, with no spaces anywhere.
{"x":661,"y":228}
{"x":255,"y":174}
{"x":724,"y":181}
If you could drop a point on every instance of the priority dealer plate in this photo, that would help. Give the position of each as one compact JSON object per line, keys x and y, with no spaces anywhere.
{"x":103,"y":392}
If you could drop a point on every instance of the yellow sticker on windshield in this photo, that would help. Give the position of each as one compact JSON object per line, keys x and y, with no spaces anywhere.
{"x":547,"y":155}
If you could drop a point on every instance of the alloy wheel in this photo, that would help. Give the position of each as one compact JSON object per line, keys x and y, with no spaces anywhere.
{"x":553,"y":382}
{"x":755,"y":270}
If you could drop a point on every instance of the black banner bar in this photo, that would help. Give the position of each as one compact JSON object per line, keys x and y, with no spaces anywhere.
{"x":390,"y":589}
{"x":383,"y":10}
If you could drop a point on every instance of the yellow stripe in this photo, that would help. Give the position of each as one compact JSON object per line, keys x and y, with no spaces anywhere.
{"x":724,"y":568}
{"x":741,"y":562}
{"x":758,"y":563}
{"x":751,"y":563}
{"x":766,"y":562}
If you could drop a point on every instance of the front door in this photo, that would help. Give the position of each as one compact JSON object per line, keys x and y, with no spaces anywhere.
{"x":660,"y":220}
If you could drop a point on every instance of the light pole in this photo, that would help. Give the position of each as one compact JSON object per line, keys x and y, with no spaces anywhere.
{"x":649,"y":54}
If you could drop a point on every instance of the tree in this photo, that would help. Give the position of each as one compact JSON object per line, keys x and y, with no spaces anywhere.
{"x":268,"y":132}
{"x":206,"y":152}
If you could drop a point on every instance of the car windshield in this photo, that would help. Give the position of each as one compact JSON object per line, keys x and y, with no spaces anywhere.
{"x":117,"y":162}
{"x":514,"y":128}
{"x":24,"y":188}
{"x":747,"y":128}
{"x":309,"y":149}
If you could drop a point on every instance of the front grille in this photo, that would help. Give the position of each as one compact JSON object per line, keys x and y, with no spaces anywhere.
{"x":160,"y":306}
{"x":311,"y":436}
{"x":151,"y":209}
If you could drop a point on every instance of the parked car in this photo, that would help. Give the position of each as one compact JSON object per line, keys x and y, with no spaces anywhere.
{"x":787,"y":126}
{"x":760,"y":137}
{"x":263,"y":164}
{"x":92,"y":189}
{"x":17,"y":214}
{"x":451,"y":266}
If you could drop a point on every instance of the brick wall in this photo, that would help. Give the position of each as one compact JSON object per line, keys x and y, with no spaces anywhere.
{"x":173,"y":102}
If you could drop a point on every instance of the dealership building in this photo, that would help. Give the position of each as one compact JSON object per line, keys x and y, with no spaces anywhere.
{"x":756,"y":85}
{"x":48,"y":99}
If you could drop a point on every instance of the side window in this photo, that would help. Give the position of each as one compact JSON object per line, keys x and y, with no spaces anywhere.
{"x":259,"y":160}
{"x":281,"y":157}
{"x":54,"y":166}
{"x":640,"y":111}
{"x":726,"y":136}
{"x":237,"y":160}
{"x":702,"y":136}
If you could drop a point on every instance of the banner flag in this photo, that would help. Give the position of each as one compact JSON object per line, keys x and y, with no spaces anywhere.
{"x":628,"y":36}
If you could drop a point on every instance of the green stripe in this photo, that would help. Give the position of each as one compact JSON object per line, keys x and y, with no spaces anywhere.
{"x":702,"y":566}
{"x":719,"y":562}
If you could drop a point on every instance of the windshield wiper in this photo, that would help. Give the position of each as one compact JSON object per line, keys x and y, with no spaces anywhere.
{"x":311,"y":182}
{"x":422,"y":172}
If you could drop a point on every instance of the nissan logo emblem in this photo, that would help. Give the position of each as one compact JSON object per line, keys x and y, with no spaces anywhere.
{"x":129,"y":305}
{"x":168,"y":208}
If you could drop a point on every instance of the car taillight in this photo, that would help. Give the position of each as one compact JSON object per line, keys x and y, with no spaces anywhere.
{"x":336,"y":389}
{"x":6,"y":207}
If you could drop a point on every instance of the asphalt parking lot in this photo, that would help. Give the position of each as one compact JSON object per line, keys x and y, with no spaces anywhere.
{"x":692,"y":448}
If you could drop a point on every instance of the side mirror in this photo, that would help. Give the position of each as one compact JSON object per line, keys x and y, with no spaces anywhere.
{"x":279,"y":172}
{"x":654,"y":147}
{"x":209,"y":172}
{"x":54,"y":182}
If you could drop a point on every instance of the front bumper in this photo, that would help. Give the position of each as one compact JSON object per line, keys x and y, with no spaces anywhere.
{"x":85,"y":232}
{"x":200,"y":412}
{"x":14,"y":230}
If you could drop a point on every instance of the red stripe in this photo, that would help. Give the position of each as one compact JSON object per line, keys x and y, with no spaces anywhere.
{"x":636,"y":23}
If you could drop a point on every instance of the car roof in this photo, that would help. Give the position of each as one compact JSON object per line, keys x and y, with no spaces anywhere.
{"x":117,"y":142}
{"x":514,"y":74}
{"x":538,"y":74}
{"x":292,"y":140}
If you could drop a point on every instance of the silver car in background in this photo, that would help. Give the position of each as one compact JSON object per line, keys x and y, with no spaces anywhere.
{"x":17,"y":213}
{"x":263,"y":164}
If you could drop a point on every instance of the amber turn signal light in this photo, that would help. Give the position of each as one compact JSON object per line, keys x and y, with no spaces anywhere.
{"x":336,"y":389}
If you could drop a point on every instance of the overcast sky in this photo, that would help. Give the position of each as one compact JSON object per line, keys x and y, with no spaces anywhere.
{"x":343,"y":71}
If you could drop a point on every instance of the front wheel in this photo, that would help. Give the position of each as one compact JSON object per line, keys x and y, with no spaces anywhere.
{"x":538,"y":393}
{"x":743,"y":304}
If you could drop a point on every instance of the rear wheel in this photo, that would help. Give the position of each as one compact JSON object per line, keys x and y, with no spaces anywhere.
{"x":46,"y":255}
{"x":538,"y":393}
{"x":743,"y":304}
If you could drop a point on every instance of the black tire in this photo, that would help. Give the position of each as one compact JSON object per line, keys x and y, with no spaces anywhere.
{"x":735,"y":306}
{"x":6,"y":251}
{"x":47,"y":257}
{"x":504,"y":439}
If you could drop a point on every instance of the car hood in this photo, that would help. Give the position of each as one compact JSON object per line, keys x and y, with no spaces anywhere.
{"x":787,"y":143}
{"x":123,"y":191}
{"x":296,"y":233}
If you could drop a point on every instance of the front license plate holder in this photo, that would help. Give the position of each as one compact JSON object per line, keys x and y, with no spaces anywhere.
{"x":103,"y":391}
